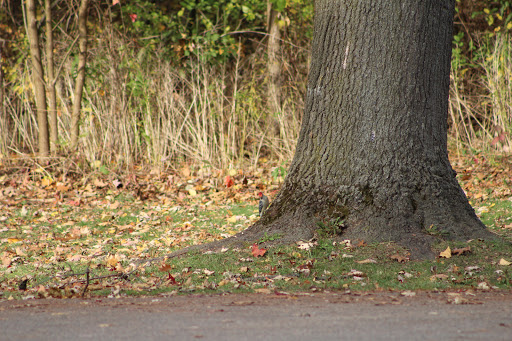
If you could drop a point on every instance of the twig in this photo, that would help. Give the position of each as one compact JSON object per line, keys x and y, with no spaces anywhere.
{"x":87,"y":281}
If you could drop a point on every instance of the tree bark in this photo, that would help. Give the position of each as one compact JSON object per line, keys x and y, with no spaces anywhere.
{"x":372,"y":157}
{"x":38,"y":79}
{"x":80,"y":79}
{"x":50,"y":73}
{"x":274,"y":68}
{"x":3,"y":115}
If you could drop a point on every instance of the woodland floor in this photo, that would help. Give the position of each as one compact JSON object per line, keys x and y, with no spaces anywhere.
{"x":65,"y":233}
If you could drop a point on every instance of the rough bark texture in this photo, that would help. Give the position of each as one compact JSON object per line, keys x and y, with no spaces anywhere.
{"x":372,"y":153}
{"x":38,"y":79}
{"x":80,"y":79}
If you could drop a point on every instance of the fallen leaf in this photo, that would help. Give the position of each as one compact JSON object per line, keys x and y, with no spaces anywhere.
{"x":408,"y":293}
{"x":6,"y":260}
{"x":461,"y":251}
{"x":257,"y":252}
{"x":438,"y":276}
{"x":399,"y":259}
{"x":233,"y":219}
{"x":357,"y":273}
{"x":305,"y":245}
{"x":446,"y":253}
{"x":456,"y":298}
{"x":263,"y":291}
{"x":20,"y":252}
{"x":165,"y":267}
{"x":208,"y":272}
{"x":228,"y":181}
{"x":483,"y":286}
{"x":112,"y":260}
{"x":171,"y":280}
{"x":367,"y":261}
{"x":504,"y":262}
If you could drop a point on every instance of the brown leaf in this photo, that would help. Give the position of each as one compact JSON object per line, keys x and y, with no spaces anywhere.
{"x":366,"y":261}
{"x":461,"y":251}
{"x":257,"y":252}
{"x":438,"y":276}
{"x":399,"y":259}
{"x":165,"y":267}
{"x":361,"y":243}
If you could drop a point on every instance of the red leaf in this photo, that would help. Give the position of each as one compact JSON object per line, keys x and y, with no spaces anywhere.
{"x":133,"y":17}
{"x":171,"y":280}
{"x":228,"y":181}
{"x":257,"y":252}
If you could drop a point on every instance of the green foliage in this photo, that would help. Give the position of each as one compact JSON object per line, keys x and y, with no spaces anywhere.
{"x":269,"y":238}
{"x":279,"y":172}
{"x":330,"y":228}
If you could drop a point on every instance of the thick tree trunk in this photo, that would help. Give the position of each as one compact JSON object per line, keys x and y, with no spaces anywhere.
{"x":38,"y":79}
{"x":372,"y":152}
{"x":50,"y":72}
{"x":80,"y":79}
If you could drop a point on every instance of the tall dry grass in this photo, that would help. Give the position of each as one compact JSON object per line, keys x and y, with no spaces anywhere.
{"x":480,"y":108}
{"x":139,"y":109}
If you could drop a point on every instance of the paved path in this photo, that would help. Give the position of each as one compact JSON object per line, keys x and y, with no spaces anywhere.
{"x":331,"y":316}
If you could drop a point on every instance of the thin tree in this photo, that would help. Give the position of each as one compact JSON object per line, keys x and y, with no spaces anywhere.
{"x":80,"y":79}
{"x":38,"y":79}
{"x":50,"y":73}
{"x":274,"y":67}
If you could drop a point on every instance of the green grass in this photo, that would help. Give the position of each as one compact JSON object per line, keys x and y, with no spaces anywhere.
{"x":53,"y":246}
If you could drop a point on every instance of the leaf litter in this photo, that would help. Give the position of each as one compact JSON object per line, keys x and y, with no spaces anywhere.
{"x":66,"y":235}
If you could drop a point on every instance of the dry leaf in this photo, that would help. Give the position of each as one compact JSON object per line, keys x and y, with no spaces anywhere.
{"x":208,"y":272}
{"x":461,"y":251}
{"x":367,"y":261}
{"x":263,"y":291}
{"x":112,"y":260}
{"x":165,"y":267}
{"x":399,"y":259}
{"x":257,"y":252}
{"x":305,"y":245}
{"x":504,"y":262}
{"x":228,"y":181}
{"x":438,"y":276}
{"x":446,"y":253}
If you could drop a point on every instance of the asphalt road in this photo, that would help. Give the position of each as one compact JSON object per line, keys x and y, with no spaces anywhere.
{"x":322,"y":316}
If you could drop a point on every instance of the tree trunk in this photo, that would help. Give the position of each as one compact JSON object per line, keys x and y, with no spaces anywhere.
{"x":38,"y":79}
{"x":274,"y":68}
{"x":80,"y":79}
{"x":371,"y":158}
{"x":50,"y":73}
{"x":3,"y":114}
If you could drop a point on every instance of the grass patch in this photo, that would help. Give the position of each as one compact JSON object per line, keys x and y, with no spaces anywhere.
{"x":53,"y":239}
